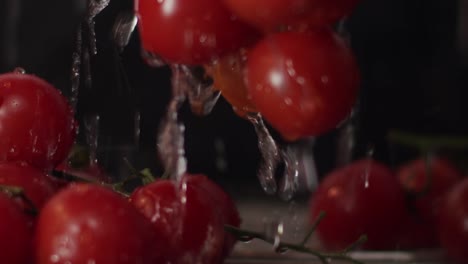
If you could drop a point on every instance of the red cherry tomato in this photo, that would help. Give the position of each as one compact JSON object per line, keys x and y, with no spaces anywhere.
{"x":16,"y":236}
{"x":361,"y":198}
{"x":184,"y":219}
{"x":228,"y":77}
{"x":223,"y":203}
{"x":38,"y":186}
{"x":87,"y":223}
{"x":36,"y":122}
{"x":274,"y":15}
{"x":452,"y":224}
{"x":190,"y":32}
{"x":303,"y":83}
{"x":429,"y":182}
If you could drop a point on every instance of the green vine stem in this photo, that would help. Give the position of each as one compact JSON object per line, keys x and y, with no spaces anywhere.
{"x":18,"y":192}
{"x":428,"y":142}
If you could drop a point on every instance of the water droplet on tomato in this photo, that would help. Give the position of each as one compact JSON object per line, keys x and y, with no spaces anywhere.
{"x":19,"y":70}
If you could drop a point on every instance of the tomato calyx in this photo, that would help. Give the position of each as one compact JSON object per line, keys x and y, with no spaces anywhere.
{"x":15,"y":192}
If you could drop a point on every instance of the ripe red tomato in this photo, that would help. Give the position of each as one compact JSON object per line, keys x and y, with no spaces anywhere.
{"x":37,"y":185}
{"x":16,"y":236}
{"x":36,"y":123}
{"x":429,"y":182}
{"x":223,"y":203}
{"x":274,"y":15}
{"x":188,"y":31}
{"x":185,"y":219}
{"x":452,"y":224}
{"x":303,"y":83}
{"x":87,"y":223}
{"x":361,"y":198}
{"x":228,"y":77}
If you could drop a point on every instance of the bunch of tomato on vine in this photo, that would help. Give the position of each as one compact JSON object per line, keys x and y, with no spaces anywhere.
{"x":47,"y":219}
{"x":280,"y":58}
{"x":420,"y":205}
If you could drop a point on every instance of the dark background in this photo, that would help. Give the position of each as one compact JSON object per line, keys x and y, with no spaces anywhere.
{"x":412,"y":55}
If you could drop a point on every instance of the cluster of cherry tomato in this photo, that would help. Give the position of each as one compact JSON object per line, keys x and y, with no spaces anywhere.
{"x":280,"y":58}
{"x":47,"y":220}
{"x":421,"y":205}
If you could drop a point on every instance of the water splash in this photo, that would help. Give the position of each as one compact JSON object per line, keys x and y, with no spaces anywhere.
{"x":137,"y":128}
{"x":76,"y":69}
{"x":274,"y":230}
{"x":290,"y":181}
{"x":171,"y":135}
{"x":92,"y":137}
{"x":152,"y":59}
{"x":123,"y":28}
{"x":200,"y":91}
{"x":269,"y":152}
{"x":94,"y":8}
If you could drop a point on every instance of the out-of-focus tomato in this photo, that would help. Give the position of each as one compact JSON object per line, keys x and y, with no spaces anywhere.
{"x":452,"y":225}
{"x":228,"y":77}
{"x":303,"y":83}
{"x":16,"y":236}
{"x":36,"y":123}
{"x":190,"y":32}
{"x":428,"y":181}
{"x":87,"y":223}
{"x":184,"y":217}
{"x":363,"y":198}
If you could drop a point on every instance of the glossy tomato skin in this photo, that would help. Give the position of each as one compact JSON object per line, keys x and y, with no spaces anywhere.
{"x":428,"y":181}
{"x":361,"y":198}
{"x":36,"y":123}
{"x":86,"y":223}
{"x":453,"y":218}
{"x":183,"y":216}
{"x":190,"y":32}
{"x":223,"y":203}
{"x":16,"y":236}
{"x":303,"y":83}
{"x":37,"y":185}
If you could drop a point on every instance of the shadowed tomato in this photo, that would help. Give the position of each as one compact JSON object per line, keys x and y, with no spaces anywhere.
{"x":16,"y":236}
{"x":184,"y":217}
{"x":452,"y":224}
{"x":36,"y":123}
{"x":87,"y":223}
{"x":303,"y":83}
{"x":363,"y":198}
{"x":428,"y":181}
{"x":228,"y":77}
{"x":190,"y":32}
